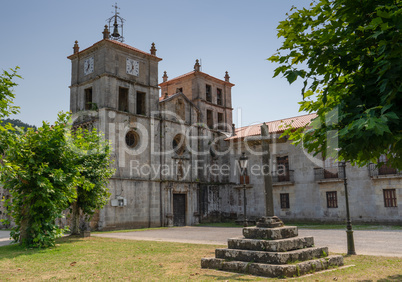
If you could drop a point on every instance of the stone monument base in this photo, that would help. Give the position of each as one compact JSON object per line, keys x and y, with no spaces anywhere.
{"x":272,"y":252}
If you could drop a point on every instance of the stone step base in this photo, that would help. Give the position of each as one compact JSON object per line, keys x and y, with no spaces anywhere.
{"x":282,"y":245}
{"x":272,"y":257}
{"x":270,"y":233}
{"x":272,"y":270}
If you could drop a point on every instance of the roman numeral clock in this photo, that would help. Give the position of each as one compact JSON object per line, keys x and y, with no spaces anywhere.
{"x":132,"y":67}
{"x":89,"y":65}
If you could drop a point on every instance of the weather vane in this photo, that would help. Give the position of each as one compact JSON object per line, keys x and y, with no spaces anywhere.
{"x":117,"y":24}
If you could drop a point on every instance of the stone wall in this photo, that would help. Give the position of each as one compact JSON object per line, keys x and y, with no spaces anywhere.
{"x":307,"y":195}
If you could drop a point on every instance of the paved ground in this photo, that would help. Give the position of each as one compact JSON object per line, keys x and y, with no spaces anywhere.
{"x":4,"y":238}
{"x":380,"y":243}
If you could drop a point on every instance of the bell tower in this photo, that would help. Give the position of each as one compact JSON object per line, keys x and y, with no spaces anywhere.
{"x":114,"y":88}
{"x":117,"y":25}
{"x":111,"y":74}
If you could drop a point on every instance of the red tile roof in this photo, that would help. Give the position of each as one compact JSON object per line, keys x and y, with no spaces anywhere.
{"x":276,"y":126}
{"x":117,"y":43}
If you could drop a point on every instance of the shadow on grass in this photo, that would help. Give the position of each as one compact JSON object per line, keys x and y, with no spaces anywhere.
{"x":15,"y":250}
{"x":397,"y":277}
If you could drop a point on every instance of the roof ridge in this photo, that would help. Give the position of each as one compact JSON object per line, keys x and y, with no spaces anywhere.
{"x":119,"y":44}
{"x":275,"y":120}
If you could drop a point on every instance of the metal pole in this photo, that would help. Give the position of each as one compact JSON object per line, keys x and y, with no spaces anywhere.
{"x":349,"y":231}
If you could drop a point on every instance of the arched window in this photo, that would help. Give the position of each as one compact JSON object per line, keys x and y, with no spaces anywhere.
{"x":179,"y":144}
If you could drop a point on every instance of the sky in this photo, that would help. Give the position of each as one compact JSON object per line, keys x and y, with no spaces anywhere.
{"x":226,"y":35}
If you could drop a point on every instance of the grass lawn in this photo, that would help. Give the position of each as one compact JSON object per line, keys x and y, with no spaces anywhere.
{"x":98,"y":258}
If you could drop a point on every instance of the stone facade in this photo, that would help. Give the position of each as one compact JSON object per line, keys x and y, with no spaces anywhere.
{"x":176,"y":153}
{"x":184,"y":168}
{"x":162,"y":146}
{"x":312,"y":189}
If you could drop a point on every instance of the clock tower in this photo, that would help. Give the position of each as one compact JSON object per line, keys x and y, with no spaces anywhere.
{"x":162,"y":147}
{"x":114,"y":88}
{"x":111,"y":74}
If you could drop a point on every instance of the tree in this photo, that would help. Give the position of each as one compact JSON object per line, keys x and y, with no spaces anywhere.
{"x":40,"y":173}
{"x":6,"y":94}
{"x":93,"y":157}
{"x":349,"y":55}
{"x":46,"y":171}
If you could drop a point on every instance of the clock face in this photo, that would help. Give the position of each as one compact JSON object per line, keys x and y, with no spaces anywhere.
{"x":132,"y":67}
{"x":89,"y":65}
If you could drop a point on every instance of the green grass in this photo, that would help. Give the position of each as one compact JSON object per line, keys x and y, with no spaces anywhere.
{"x":96,"y":258}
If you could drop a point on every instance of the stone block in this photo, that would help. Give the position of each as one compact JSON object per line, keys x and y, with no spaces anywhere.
{"x":270,"y":233}
{"x":282,"y":245}
{"x":271,"y":257}
{"x":212,"y":263}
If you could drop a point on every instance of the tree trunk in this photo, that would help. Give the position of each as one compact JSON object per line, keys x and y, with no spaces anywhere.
{"x":24,"y":226}
{"x":75,"y":224}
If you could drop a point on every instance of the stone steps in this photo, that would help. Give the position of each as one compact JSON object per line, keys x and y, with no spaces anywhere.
{"x":272,"y":257}
{"x":272,"y":270}
{"x":283,"y":245}
{"x":272,"y":250}
{"x":270,"y":233}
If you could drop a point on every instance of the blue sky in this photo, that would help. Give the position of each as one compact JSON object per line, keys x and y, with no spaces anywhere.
{"x":227,"y":35}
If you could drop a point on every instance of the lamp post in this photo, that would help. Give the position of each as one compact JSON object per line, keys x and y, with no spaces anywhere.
{"x":243,"y":161}
{"x":349,"y":231}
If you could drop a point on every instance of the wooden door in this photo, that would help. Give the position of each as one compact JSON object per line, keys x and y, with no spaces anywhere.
{"x":179,"y":209}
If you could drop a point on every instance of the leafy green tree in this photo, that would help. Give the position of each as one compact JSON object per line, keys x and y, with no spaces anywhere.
{"x":42,"y":170}
{"x":40,"y":173}
{"x":349,"y":55}
{"x":93,"y":158}
{"x":6,"y":94}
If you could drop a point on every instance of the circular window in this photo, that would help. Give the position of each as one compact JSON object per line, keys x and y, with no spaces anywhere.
{"x":179,"y":144}
{"x":132,"y":138}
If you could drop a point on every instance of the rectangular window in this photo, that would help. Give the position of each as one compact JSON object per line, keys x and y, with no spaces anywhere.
{"x":220,"y":121}
{"x":141,"y":106}
{"x":389,"y":198}
{"x":210,"y":119}
{"x":284,"y":201}
{"x":123,"y":99}
{"x":332,"y":200}
{"x":88,"y":99}
{"x":219,"y":96}
{"x":208,"y":94}
{"x":283,"y":168}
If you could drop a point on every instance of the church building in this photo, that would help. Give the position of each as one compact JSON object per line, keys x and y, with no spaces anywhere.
{"x":162,"y":145}
{"x":176,"y":150}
